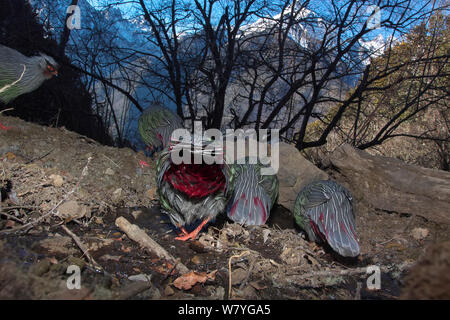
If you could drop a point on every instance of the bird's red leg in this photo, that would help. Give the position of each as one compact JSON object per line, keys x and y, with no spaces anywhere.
{"x":4,"y":128}
{"x":194,"y":233}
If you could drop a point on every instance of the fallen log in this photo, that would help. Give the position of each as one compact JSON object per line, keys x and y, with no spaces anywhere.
{"x":392,"y":185}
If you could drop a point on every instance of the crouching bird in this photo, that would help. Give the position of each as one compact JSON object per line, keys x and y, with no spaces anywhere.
{"x":20,"y":74}
{"x":324,"y":209}
{"x":156,"y":125}
{"x":254,"y":194}
{"x":190,"y":191}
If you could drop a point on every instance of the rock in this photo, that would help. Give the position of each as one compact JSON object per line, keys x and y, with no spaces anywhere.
{"x":117,"y":195}
{"x":294,"y":173}
{"x":219,"y":294}
{"x":197,"y":260}
{"x":140,"y":277}
{"x":266,"y":233}
{"x":41,"y":267}
{"x":136,"y":214}
{"x":168,"y":291}
{"x":430,"y":277}
{"x":392,"y":185}
{"x":72,"y":210}
{"x":58,"y":245}
{"x":420,"y":233}
{"x":238,"y":275}
{"x":109,"y":172}
{"x":57,"y":180}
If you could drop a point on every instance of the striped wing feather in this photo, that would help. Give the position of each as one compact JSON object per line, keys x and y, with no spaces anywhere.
{"x":156,"y":125}
{"x":329,"y":209}
{"x":253,"y":195}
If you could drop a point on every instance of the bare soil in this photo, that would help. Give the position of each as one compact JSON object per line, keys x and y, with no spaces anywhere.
{"x":51,"y":177}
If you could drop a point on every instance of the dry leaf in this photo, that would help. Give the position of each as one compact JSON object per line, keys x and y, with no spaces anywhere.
{"x":188,"y":280}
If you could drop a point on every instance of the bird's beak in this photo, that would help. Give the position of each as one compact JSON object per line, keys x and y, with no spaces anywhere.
{"x":55,"y":73}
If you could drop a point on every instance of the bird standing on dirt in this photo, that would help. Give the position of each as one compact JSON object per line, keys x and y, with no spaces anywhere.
{"x":190,"y":192}
{"x":20,"y":74}
{"x":253,"y":195}
{"x":324,"y":209}
{"x":156,"y":125}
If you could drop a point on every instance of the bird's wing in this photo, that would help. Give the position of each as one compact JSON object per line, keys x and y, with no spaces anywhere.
{"x":250,"y":204}
{"x":156,"y":125}
{"x":331,"y":213}
{"x":11,"y":67}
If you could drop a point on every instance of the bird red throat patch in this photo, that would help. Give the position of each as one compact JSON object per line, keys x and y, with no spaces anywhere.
{"x":196,"y":180}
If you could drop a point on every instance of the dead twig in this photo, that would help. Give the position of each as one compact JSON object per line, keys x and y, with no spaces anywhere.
{"x":20,"y":207}
{"x":52,"y":211}
{"x":9,"y":216}
{"x":140,"y":236}
{"x":229,"y":271}
{"x":111,"y":161}
{"x":40,"y":157}
{"x":9,"y":109}
{"x":335,"y":273}
{"x":83,"y":248}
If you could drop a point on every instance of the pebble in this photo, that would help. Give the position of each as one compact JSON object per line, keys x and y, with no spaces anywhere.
{"x":140,"y":277}
{"x":57,"y":180}
{"x":168,"y":291}
{"x":420,"y":233}
{"x":109,"y":172}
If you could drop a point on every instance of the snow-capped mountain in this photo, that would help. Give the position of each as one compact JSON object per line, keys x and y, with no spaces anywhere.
{"x":103,"y":29}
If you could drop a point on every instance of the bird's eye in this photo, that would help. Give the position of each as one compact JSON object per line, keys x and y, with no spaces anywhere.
{"x":50,"y":68}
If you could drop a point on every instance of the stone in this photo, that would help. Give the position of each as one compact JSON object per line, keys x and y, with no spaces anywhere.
{"x":420,"y":233}
{"x":238,"y":275}
{"x":72,"y":210}
{"x":57,"y":180}
{"x":117,"y":195}
{"x":109,"y":172}
{"x":294,"y":173}
{"x":429,"y":278}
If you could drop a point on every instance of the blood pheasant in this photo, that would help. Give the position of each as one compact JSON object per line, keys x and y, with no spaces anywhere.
{"x":190,"y":191}
{"x":324,"y":209}
{"x":254,"y":194}
{"x":156,"y":125}
{"x":20,"y":74}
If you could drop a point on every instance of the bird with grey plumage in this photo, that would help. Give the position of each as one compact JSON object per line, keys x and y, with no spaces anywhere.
{"x":324,"y":210}
{"x":254,"y":194}
{"x":156,"y":125}
{"x":190,"y":191}
{"x":20,"y":74}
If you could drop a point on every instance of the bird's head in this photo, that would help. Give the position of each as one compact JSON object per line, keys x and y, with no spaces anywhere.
{"x":48,"y":66}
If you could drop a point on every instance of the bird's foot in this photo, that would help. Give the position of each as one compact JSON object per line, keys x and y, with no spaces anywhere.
{"x":183,"y":231}
{"x":4,"y":128}
{"x":186,"y":236}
